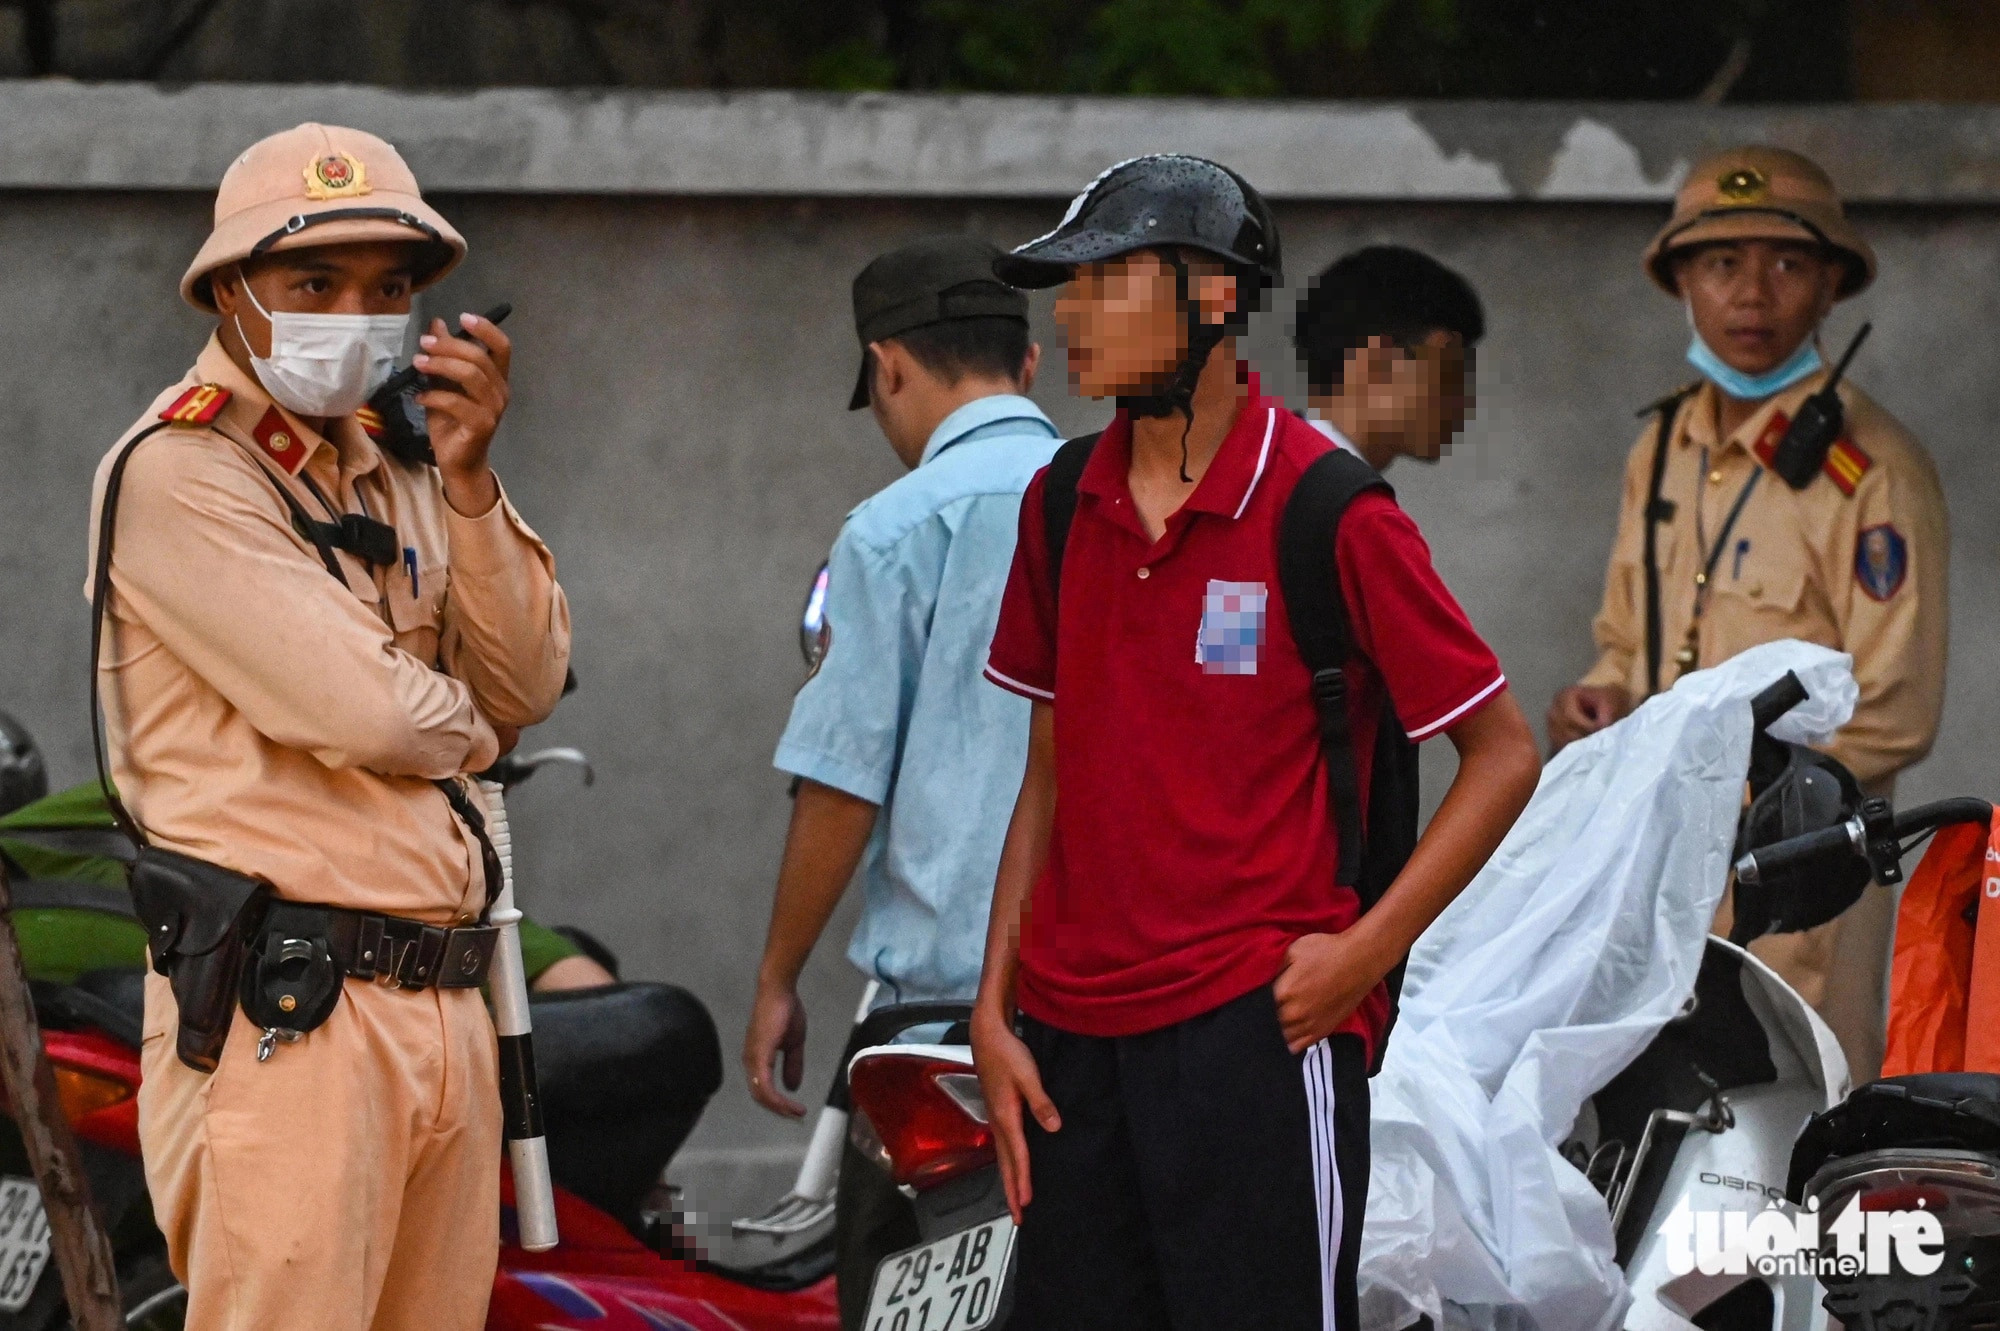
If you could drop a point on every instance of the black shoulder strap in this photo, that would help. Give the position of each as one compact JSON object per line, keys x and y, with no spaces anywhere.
{"x":1656,"y":512}
{"x":100,"y":586}
{"x":1310,"y":580}
{"x":302,"y":522}
{"x":1059,"y":502}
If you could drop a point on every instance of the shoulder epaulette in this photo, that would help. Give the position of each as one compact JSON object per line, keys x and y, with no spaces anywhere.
{"x":1673,"y":399}
{"x":1845,"y":465}
{"x":369,"y":420}
{"x":198,"y":406}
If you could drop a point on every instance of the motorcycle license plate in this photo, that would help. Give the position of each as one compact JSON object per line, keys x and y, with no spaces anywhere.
{"x":950,"y":1285}
{"x":24,"y":1242}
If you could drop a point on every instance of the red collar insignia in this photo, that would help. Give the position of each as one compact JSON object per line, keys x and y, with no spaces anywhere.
{"x":280,"y":441}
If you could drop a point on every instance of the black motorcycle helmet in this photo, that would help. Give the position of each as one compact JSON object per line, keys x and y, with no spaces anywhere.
{"x":1795,"y":790}
{"x":1164,"y":201}
{"x":23,"y":778}
{"x":1160,"y":200}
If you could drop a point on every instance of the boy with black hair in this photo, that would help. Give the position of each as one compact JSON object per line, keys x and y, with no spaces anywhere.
{"x":905,"y":757}
{"x":1385,"y":336}
{"x":1182,"y":994}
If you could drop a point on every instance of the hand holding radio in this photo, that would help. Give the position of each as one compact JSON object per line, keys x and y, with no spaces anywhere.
{"x":464,"y":378}
{"x":463,"y":401}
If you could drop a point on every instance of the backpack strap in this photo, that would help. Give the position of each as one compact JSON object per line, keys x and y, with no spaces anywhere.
{"x":1059,"y":503}
{"x":1310,"y":580}
{"x":1658,"y":510}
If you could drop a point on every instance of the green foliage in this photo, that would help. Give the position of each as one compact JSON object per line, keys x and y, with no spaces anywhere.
{"x":852,"y":66}
{"x":1212,"y":48}
{"x":1340,"y":48}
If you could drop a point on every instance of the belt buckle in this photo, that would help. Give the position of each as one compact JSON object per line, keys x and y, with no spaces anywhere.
{"x":396,"y":967}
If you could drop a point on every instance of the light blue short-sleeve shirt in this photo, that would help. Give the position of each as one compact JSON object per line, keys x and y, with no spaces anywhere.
{"x":898,"y":713}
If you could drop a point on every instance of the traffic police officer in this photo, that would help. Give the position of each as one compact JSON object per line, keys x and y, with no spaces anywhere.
{"x":280,"y":722}
{"x":1760,"y":249}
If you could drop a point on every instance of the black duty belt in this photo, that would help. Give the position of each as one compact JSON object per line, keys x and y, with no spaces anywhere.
{"x":403,"y":954}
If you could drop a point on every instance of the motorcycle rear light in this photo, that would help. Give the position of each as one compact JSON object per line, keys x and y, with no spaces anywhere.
{"x":927,"y":1113}
{"x":84,"y":1093}
{"x":1906,"y":1197}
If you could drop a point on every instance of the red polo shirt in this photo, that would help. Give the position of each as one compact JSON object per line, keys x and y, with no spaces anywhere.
{"x":1192,"y":842}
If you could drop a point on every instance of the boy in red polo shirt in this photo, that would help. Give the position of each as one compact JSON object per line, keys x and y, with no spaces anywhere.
{"x":1175,"y":990}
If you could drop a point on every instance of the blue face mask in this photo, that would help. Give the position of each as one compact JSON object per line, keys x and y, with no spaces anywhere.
{"x":1805,"y":363}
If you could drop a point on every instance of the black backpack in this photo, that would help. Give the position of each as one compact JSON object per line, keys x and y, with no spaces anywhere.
{"x":1370,"y":857}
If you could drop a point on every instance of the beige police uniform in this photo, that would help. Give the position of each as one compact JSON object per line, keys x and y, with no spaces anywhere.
{"x":1858,"y":560}
{"x":268,"y":718}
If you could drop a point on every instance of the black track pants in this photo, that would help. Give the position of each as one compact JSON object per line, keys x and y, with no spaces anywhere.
{"x":1205,"y":1178}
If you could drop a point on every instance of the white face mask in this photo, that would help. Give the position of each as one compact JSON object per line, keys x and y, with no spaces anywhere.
{"x":326,"y":365}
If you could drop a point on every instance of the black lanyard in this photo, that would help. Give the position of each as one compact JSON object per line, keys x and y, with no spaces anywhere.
{"x":1710,"y":556}
{"x":1714,"y":553}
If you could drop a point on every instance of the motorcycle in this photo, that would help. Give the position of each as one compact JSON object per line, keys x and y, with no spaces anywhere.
{"x":1926,"y":1143}
{"x":625,"y":1073}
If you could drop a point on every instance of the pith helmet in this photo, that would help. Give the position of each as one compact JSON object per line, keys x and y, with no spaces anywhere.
{"x":318,"y":185}
{"x":1759,"y":193}
{"x":1165,"y":199}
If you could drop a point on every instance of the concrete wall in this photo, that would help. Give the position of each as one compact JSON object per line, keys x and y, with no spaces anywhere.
{"x":685,"y":352}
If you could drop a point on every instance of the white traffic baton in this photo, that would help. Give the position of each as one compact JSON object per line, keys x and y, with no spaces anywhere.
{"x":520,"y":1092}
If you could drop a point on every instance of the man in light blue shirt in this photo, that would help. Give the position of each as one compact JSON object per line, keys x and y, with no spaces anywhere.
{"x":909,"y":760}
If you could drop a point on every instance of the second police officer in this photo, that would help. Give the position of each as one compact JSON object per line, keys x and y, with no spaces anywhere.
{"x":1855,"y":556}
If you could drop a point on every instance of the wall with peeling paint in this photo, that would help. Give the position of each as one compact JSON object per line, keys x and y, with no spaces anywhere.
{"x":680,"y":268}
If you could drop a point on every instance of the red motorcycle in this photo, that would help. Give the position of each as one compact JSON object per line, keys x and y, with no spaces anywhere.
{"x":626,"y":1072}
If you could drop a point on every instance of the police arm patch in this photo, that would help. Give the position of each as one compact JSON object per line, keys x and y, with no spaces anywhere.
{"x":1881,"y":561}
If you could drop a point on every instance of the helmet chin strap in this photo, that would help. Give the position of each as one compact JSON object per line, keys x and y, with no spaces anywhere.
{"x":1177,"y":394}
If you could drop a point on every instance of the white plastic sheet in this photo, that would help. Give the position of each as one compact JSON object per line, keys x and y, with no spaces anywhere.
{"x":1574,"y":945}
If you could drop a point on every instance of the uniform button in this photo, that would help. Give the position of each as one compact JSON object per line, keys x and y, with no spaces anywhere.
{"x":1715,"y":477}
{"x":1756,"y":589}
{"x":1145,"y":573}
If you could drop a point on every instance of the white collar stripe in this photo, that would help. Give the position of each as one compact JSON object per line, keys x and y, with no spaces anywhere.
{"x":1263,"y":457}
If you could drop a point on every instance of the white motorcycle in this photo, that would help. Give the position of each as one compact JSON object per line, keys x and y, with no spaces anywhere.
{"x":1710,"y":1116}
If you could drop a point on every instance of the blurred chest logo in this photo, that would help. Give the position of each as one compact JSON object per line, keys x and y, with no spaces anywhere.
{"x":1232,"y":627}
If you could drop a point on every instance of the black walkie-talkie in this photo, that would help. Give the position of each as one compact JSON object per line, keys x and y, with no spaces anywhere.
{"x":1802,"y":452}
{"x":405,"y":433}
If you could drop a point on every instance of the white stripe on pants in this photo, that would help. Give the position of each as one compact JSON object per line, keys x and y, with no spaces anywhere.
{"x":1318,"y":1064}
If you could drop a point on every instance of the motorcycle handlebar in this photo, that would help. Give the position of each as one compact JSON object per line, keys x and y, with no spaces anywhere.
{"x":1781,"y":856}
{"x":1851,"y":837}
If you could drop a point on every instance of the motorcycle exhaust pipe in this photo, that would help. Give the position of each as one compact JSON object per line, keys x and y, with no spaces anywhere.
{"x":520,"y":1092}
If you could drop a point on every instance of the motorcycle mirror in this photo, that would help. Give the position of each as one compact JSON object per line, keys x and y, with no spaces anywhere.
{"x":572,"y":757}
{"x":815,"y":633}
{"x":23,"y":777}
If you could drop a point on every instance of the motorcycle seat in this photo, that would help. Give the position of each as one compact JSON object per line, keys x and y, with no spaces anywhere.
{"x":625,"y":1072}
{"x":1952,"y":1111}
{"x":623,"y":1049}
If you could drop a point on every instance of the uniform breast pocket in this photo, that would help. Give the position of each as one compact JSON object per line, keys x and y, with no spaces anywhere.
{"x":1766,"y":599}
{"x":416,"y":608}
